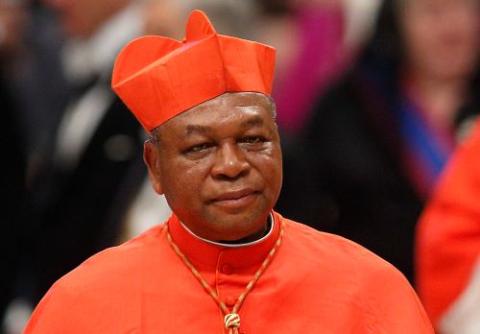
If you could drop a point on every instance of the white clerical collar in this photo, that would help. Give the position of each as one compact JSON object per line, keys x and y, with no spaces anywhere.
{"x":271,"y":226}
{"x":95,"y":55}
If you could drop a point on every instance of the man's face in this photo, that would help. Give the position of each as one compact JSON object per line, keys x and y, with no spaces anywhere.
{"x":441,"y":36}
{"x":81,"y":18}
{"x":219,"y":165}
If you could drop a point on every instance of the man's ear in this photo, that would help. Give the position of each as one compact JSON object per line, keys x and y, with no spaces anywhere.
{"x":152,"y":160}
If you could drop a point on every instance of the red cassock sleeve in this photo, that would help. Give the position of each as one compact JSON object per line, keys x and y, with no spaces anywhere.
{"x":448,"y":235}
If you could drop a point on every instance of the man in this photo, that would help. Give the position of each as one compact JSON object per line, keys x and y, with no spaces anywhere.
{"x":448,"y":244}
{"x":224,"y":262}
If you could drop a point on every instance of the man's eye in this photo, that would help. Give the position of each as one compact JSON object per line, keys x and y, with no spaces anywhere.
{"x":253,"y":140}
{"x":198,"y":148}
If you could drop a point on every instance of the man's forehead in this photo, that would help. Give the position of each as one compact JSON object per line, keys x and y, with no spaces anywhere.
{"x":239,"y":99}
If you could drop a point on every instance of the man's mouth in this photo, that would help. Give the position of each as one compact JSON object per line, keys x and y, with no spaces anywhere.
{"x":236,"y":199}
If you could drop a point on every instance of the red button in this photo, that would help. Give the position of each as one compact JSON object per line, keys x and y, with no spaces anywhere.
{"x":227,"y":269}
{"x":230,"y":301}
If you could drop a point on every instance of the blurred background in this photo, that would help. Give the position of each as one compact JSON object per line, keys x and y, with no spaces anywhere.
{"x":373,"y":96}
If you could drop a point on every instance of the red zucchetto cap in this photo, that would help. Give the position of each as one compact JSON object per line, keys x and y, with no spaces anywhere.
{"x":159,"y":77}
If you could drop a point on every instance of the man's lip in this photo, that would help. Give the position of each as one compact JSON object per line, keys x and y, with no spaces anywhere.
{"x":234,"y":195}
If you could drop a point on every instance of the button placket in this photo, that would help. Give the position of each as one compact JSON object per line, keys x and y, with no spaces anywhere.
{"x":224,"y":272}
{"x":230,"y":301}
{"x":226,"y":269}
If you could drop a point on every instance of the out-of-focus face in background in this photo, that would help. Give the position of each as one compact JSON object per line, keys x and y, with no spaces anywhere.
{"x":81,"y":18}
{"x":164,"y":17}
{"x":167,"y":17}
{"x":12,"y":19}
{"x":440,"y":37}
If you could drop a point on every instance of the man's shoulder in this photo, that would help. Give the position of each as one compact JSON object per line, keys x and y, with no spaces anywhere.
{"x":102,"y":289}
{"x":109,"y":266}
{"x":325,"y":250}
{"x":330,"y":268}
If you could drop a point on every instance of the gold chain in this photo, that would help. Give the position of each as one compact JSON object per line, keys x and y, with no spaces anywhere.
{"x":232,"y":318}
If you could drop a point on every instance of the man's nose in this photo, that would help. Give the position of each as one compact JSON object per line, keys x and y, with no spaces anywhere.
{"x":230,"y":162}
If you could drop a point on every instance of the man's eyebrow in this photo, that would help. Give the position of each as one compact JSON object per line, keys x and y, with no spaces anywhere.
{"x":201,"y":129}
{"x":254,"y":121}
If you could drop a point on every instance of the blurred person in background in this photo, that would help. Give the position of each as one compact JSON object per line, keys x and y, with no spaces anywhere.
{"x":163,"y":17}
{"x":81,"y":192}
{"x":376,"y":142}
{"x":309,"y":37}
{"x":168,"y":16}
{"x":448,"y":244}
{"x":12,"y":170}
{"x":316,"y":40}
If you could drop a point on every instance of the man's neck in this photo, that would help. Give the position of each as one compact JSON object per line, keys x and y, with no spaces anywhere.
{"x":246,"y":241}
{"x":252,"y":237}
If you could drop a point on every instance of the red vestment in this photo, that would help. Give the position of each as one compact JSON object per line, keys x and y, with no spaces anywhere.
{"x":448,"y":238}
{"x":316,"y":283}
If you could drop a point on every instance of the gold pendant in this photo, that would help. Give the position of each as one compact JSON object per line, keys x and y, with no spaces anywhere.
{"x":232,"y":320}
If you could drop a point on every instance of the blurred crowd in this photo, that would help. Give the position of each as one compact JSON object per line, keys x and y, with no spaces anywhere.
{"x":373,"y":100}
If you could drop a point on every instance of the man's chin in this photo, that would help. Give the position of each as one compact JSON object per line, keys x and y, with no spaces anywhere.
{"x":237,"y":227}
